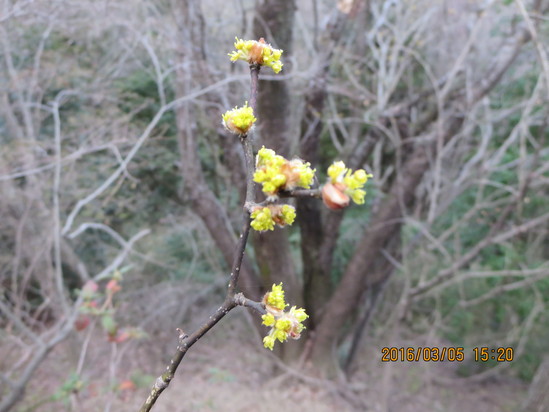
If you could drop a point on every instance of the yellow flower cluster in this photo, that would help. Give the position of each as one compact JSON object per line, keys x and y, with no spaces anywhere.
{"x":343,"y":186}
{"x":274,"y":172}
{"x":274,"y":300}
{"x":353,"y":182}
{"x":264,"y":218}
{"x":283,"y":324}
{"x":257,"y":52}
{"x":239,"y":120}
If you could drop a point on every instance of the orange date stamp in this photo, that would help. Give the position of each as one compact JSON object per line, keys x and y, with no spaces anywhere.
{"x":450,"y":354}
{"x":426,"y":354}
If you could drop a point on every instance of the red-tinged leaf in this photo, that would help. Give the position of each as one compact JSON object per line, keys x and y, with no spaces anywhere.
{"x":113,"y":286}
{"x":126,"y":385}
{"x":121,"y":337}
{"x":82,"y":323}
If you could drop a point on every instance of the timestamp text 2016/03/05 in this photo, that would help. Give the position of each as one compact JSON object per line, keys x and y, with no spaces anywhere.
{"x":450,"y":354}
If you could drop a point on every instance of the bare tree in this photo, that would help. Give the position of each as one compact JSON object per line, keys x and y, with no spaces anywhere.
{"x":43,"y":191}
{"x":416,"y":129}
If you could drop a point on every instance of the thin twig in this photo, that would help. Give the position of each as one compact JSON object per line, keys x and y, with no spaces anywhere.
{"x":232,"y":299}
{"x":140,"y":141}
{"x":56,"y":210}
{"x":542,"y":54}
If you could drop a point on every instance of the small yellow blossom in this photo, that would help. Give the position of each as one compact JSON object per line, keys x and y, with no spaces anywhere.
{"x":283,"y":215}
{"x":355,"y":182}
{"x":257,"y":52}
{"x":264,"y":218}
{"x":239,"y":120}
{"x":276,"y":173}
{"x":268,"y":319}
{"x":269,"y":341}
{"x":283,"y":325}
{"x":336,"y":171}
{"x":306,"y":174}
{"x":288,"y":214}
{"x":344,"y":184}
{"x":297,"y":327}
{"x":275,"y":298}
{"x":280,"y":334}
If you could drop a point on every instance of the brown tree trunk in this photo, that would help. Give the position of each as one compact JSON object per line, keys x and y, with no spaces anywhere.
{"x":319,"y":235}
{"x":316,"y":276}
{"x":385,"y":224}
{"x":274,"y":21}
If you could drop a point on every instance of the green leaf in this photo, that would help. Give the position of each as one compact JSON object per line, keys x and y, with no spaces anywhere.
{"x":109,"y":324}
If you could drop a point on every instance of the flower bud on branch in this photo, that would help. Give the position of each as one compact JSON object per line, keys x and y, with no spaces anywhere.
{"x":257,"y":52}
{"x":264,"y":218}
{"x":343,"y":186}
{"x":283,"y":324}
{"x":275,"y":173}
{"x":239,"y":120}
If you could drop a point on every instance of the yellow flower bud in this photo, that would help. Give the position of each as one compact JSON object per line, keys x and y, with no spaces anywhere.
{"x":275,"y":298}
{"x":239,"y":120}
{"x":262,"y":219}
{"x":276,"y":173}
{"x":284,"y":325}
{"x":268,"y":319}
{"x":269,"y":341}
{"x":288,"y":214}
{"x":336,"y":170}
{"x":257,"y":52}
{"x":343,"y":186}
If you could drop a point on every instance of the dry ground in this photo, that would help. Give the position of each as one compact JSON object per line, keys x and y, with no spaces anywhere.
{"x":230,"y":371}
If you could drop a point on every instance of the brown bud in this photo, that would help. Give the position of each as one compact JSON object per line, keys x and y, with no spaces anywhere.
{"x":334,"y":197}
{"x":256,"y":52}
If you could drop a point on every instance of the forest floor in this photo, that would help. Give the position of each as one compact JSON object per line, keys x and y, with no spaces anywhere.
{"x":229,"y":370}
